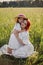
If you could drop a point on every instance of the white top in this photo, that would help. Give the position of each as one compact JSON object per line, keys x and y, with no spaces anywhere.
{"x":24,"y":36}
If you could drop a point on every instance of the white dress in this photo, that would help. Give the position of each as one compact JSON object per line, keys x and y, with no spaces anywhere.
{"x":25,"y":50}
{"x":13,"y":43}
{"x":19,"y":51}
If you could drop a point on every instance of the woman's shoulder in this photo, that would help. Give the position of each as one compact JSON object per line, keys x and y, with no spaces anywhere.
{"x":25,"y":33}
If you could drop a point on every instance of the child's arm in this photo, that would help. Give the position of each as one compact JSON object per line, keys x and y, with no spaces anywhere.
{"x":16,"y":31}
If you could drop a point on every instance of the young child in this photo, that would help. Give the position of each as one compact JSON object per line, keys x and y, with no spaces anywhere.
{"x":13,"y":43}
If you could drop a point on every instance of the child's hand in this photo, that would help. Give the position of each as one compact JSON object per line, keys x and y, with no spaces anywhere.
{"x":9,"y":50}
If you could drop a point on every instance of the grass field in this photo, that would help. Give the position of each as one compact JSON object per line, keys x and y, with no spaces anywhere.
{"x":35,"y":15}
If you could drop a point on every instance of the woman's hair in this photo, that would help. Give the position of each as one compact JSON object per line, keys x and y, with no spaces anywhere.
{"x":28,"y":25}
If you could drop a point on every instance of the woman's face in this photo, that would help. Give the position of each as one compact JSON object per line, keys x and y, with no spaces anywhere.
{"x":24,"y":24}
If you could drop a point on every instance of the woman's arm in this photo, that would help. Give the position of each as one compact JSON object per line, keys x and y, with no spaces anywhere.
{"x":20,"y":41}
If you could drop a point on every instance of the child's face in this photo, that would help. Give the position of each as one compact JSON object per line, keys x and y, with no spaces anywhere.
{"x":20,"y":20}
{"x":24,"y":24}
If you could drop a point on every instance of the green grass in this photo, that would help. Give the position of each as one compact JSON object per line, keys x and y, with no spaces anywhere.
{"x":7,"y":22}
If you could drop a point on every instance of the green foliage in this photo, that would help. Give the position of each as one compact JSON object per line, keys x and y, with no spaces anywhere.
{"x":36,"y":33}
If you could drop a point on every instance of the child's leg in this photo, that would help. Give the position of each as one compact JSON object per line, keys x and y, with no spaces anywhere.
{"x":3,"y":49}
{"x":9,"y":50}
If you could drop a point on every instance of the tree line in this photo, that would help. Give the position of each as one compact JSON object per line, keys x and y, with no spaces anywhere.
{"x":29,"y":3}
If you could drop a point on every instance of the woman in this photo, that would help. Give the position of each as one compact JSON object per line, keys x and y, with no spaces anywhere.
{"x":26,"y":48}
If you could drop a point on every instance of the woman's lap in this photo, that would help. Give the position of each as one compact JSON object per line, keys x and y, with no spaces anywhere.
{"x":23,"y":51}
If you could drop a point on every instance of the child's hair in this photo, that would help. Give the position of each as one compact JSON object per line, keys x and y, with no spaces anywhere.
{"x":17,"y":20}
